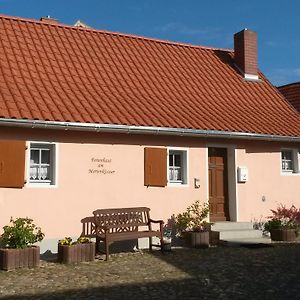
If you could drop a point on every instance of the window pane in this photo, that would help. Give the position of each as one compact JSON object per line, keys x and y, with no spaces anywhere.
{"x":33,"y":173}
{"x":175,"y":174}
{"x":177,"y":160}
{"x":177,"y":166}
{"x":287,"y":155}
{"x":45,"y":156}
{"x":41,"y":156}
{"x":287,"y":165}
{"x":34,"y":157}
{"x":44,"y":173}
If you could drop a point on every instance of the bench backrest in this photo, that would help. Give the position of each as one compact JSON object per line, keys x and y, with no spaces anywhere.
{"x":88,"y":227}
{"x":122,"y":219}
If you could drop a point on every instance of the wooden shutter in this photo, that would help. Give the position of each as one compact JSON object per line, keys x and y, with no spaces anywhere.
{"x":155,"y":166}
{"x":12,"y":163}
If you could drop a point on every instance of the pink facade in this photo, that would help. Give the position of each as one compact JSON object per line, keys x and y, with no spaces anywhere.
{"x":97,"y":170}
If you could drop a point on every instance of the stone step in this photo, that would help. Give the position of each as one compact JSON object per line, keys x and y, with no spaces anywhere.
{"x":220,"y":226}
{"x":240,"y":234}
{"x":247,"y":241}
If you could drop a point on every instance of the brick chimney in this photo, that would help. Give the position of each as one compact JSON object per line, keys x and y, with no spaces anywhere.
{"x":49,"y":19}
{"x":245,"y":53}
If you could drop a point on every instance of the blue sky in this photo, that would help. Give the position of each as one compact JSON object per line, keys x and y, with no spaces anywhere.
{"x":209,"y":23}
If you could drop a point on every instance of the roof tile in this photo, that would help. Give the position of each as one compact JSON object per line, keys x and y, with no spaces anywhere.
{"x":62,"y":73}
{"x":292,"y":93}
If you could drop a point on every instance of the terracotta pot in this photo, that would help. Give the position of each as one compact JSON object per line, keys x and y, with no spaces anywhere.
{"x":76,"y":253}
{"x":287,"y":235}
{"x":11,"y":259}
{"x":197,"y":239}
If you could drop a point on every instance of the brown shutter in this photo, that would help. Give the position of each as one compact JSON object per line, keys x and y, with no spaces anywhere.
{"x":12,"y":163}
{"x":155,"y":167}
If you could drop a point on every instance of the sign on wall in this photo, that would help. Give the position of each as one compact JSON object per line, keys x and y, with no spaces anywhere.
{"x":101,"y":166}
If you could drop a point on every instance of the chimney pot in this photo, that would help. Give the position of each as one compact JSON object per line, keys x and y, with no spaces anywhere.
{"x":245,"y":53}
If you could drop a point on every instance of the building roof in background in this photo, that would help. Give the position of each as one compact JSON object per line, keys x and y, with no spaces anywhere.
{"x":292,"y":93}
{"x":54,"y":72}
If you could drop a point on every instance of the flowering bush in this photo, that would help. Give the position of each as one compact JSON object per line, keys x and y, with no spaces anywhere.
{"x":193,"y":219}
{"x":67,"y":241}
{"x":283,"y":217}
{"x":21,"y":233}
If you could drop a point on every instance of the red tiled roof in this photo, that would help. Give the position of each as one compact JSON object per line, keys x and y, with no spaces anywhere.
{"x":292,"y":93}
{"x":62,"y":73}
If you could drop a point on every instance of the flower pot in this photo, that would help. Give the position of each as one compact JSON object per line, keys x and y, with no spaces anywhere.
{"x":11,"y":259}
{"x":214,"y":237}
{"x":167,"y":245}
{"x":197,"y":239}
{"x":287,"y":235}
{"x":68,"y":254}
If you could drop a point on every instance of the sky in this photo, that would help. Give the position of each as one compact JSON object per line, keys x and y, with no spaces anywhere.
{"x":199,"y":22}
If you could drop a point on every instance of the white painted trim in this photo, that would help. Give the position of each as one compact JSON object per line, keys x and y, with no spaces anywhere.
{"x":251,"y":77}
{"x":174,"y":184}
{"x":27,"y":166}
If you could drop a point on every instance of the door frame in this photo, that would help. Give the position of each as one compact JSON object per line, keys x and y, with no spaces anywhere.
{"x":231,"y":178}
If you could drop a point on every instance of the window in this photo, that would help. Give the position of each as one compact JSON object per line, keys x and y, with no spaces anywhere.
{"x":42,"y":163}
{"x":164,"y":166}
{"x":177,"y":166}
{"x":289,"y":161}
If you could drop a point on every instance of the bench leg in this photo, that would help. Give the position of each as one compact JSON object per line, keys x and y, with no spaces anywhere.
{"x":97,"y":245}
{"x":107,"y":250}
{"x":150,"y":243}
{"x":162,"y":247}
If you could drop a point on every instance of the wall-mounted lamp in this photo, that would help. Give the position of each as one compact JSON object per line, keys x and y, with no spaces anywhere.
{"x":196,"y":183}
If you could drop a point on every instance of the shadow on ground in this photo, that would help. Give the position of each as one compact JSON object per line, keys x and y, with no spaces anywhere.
{"x":213,"y":273}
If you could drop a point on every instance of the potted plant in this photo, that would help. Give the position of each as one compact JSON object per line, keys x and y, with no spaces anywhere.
{"x":193,"y":226}
{"x":284,"y":223}
{"x":18,"y":239}
{"x":83,"y":249}
{"x":167,"y":239}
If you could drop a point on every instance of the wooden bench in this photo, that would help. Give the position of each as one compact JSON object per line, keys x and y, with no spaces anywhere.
{"x":119,"y":224}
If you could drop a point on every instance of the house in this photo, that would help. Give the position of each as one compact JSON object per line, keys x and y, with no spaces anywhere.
{"x":95,"y":119}
{"x":292,"y":93}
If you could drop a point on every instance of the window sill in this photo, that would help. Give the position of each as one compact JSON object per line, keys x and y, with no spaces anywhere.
{"x":42,"y":185}
{"x":177,"y":184}
{"x":289,"y":173}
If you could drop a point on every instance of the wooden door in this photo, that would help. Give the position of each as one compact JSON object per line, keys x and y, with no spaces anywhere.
{"x":218,"y":184}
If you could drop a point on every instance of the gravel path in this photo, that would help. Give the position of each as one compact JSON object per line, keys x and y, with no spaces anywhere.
{"x":214,"y":273}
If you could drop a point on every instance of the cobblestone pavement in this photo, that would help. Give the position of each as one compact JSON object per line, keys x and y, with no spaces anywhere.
{"x":213,"y":273}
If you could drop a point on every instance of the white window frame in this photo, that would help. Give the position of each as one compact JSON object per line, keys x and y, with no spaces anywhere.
{"x":295,"y":162}
{"x":53,"y":161}
{"x":185,"y":167}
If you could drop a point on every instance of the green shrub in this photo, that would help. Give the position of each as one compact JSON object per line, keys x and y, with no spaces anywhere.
{"x":21,"y":233}
{"x":193,"y":219}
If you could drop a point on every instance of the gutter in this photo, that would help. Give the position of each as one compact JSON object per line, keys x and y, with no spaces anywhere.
{"x":113,"y":128}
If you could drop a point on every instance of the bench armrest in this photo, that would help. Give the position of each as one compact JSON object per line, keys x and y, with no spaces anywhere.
{"x":156,"y":221}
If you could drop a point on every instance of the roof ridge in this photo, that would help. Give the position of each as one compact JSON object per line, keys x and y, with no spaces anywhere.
{"x":128,"y":35}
